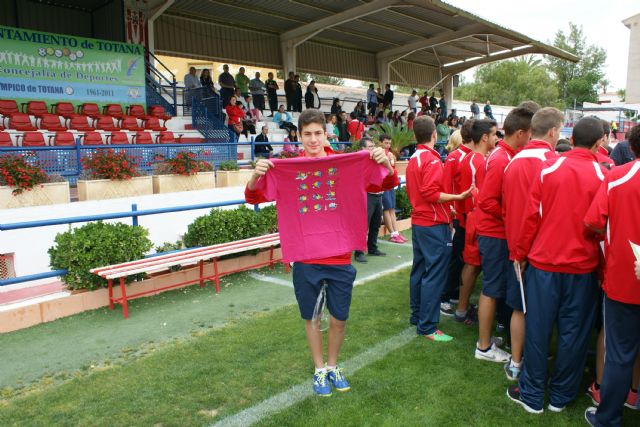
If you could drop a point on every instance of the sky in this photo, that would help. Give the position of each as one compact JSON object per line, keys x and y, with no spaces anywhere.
{"x":601,"y":22}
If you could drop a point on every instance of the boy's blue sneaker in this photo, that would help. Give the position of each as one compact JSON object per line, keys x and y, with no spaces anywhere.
{"x":321,"y":385}
{"x":338,"y":380}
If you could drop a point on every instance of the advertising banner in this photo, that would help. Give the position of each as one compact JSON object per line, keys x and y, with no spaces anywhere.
{"x":36,"y":65}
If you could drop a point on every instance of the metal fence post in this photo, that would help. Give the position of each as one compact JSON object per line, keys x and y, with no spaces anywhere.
{"x":256,"y":208}
{"x":253,"y":145}
{"x":78,"y":157}
{"x":134,"y":208}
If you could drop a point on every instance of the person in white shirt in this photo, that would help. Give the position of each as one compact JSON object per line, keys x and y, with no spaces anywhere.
{"x":191,"y":82}
{"x":412,"y":101}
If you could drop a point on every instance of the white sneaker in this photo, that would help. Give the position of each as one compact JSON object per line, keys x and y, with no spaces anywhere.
{"x":555,"y":408}
{"x":494,"y":354}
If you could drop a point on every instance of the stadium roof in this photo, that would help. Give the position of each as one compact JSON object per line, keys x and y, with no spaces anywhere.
{"x":417,"y":42}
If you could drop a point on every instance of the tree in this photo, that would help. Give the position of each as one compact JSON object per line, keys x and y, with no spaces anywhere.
{"x":330,"y":80}
{"x":510,"y":82}
{"x":622,"y":94}
{"x":604,"y":84}
{"x":577,"y":82}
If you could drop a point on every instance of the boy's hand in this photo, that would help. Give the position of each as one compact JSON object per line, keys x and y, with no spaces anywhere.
{"x":638,"y":270}
{"x":466,"y":194}
{"x":379,"y":156}
{"x":262,"y":166}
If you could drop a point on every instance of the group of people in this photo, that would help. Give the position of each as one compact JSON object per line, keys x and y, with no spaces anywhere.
{"x":551,"y":234}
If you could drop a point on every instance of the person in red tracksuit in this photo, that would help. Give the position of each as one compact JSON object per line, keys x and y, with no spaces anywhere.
{"x":472,"y":171}
{"x":561,"y":284}
{"x":431,"y":234}
{"x":603,"y":153}
{"x":451,"y":184}
{"x":492,"y":240}
{"x":614,"y":212}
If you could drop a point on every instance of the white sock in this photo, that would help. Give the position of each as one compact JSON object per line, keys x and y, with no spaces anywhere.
{"x":516,"y":365}
{"x":319,"y":370}
{"x":330,"y":368}
{"x":394,"y":233}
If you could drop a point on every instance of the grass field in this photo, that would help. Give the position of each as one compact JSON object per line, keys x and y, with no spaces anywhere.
{"x":209,"y":375}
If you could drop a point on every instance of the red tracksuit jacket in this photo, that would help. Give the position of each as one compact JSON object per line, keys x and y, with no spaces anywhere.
{"x":451,"y":177}
{"x":553,"y":236}
{"x":424,"y":185}
{"x":516,"y":186}
{"x":472,"y":171}
{"x":489,"y":220}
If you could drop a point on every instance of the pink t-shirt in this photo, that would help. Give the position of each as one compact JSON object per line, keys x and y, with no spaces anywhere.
{"x":321,"y":203}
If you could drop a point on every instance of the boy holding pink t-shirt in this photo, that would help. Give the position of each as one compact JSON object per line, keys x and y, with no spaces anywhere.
{"x":319,"y":194}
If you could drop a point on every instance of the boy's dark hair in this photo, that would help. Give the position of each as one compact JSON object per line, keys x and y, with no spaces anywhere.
{"x":564,"y":141}
{"x":518,"y":119}
{"x":563,"y":147}
{"x":530,"y":105}
{"x":465,"y":131}
{"x":481,"y":127}
{"x":423,"y":128}
{"x":606,"y":127}
{"x":311,"y":115}
{"x":587,"y":132}
{"x":384,"y":136}
{"x":634,"y":140}
{"x":353,"y":115}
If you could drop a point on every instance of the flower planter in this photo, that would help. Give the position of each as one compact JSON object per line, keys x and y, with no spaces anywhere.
{"x":100,"y":189}
{"x":401,"y":166}
{"x":237,"y":178}
{"x":49,"y":194}
{"x":175,"y":183}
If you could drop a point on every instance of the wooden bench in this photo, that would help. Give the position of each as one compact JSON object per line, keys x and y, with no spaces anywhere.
{"x":183,"y":258}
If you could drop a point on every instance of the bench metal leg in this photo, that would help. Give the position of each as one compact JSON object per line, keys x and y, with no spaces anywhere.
{"x":271,"y":258}
{"x":287,"y":267}
{"x":202,"y":273}
{"x":125,"y":306}
{"x":215,"y":270}
{"x":110,"y":294}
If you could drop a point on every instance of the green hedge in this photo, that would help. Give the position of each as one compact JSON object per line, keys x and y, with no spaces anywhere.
{"x":402,"y":203}
{"x":227,"y":225}
{"x":95,"y":245}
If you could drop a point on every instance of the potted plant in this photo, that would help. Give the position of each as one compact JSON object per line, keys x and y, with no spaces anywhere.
{"x":111,"y":174}
{"x":184,"y":172}
{"x":230,"y":175}
{"x":401,"y":137}
{"x":24,"y":183}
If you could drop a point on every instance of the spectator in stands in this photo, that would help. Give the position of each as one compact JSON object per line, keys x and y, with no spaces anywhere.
{"x":443,"y":106}
{"x":410,"y":118}
{"x":380,"y":118}
{"x":488,"y":113}
{"x":227,"y":85}
{"x":291,"y":137}
{"x":395,"y":118}
{"x":272,"y":93}
{"x":332,"y":130}
{"x":206,"y":81}
{"x":433,"y":102}
{"x":453,"y":115}
{"x":402,"y":120}
{"x":242,"y":82}
{"x":372,"y":100}
{"x":241,"y":98}
{"x":263,"y":150}
{"x":283,"y":119}
{"x":614,"y":129}
{"x":424,"y":111}
{"x":235,"y":115}
{"x":380,"y":97}
{"x":355,"y":128}
{"x":360,"y":111}
{"x":311,"y":98}
{"x":622,"y":153}
{"x":563,"y":146}
{"x":424,"y":101}
{"x":455,"y":140}
{"x":257,"y":88}
{"x":442,"y":129}
{"x":298,"y":94}
{"x":251,"y":118}
{"x":343,"y":133}
{"x":412,"y":101}
{"x":453,"y":124}
{"x":388,"y":97}
{"x":475,"y":110}
{"x":336,"y":108}
{"x":191,"y":83}
{"x":290,"y":91}
{"x":389,"y":197}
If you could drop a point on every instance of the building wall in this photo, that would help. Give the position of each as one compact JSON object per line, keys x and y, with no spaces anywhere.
{"x":633,"y":67}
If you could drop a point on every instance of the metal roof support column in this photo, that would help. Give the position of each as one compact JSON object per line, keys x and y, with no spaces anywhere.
{"x":288,"y":49}
{"x":447,"y":87}
{"x":382,"y":64}
{"x":153,"y":15}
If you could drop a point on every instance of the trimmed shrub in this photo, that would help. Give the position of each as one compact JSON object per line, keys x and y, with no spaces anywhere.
{"x":95,"y":245}
{"x":402,"y":203}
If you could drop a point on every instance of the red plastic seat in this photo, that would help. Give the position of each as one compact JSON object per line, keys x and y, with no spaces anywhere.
{"x":113,"y":110}
{"x":8,"y":107}
{"x":89,"y":109}
{"x":130,"y":123}
{"x":118,"y":138}
{"x":37,"y":108}
{"x":51,"y":122}
{"x":91,"y":138}
{"x":63,"y":139}
{"x":105,"y":123}
{"x":158,"y":111}
{"x":153,"y":123}
{"x":136,"y":110}
{"x":79,"y":123}
{"x":167,"y":137}
{"x":5,"y":140}
{"x":64,"y":109}
{"x":33,"y":139}
{"x":21,"y":121}
{"x":141,"y":138}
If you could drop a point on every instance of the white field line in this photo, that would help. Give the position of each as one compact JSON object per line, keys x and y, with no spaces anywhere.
{"x":382,"y":273}
{"x":275,"y":280}
{"x":303,"y":391}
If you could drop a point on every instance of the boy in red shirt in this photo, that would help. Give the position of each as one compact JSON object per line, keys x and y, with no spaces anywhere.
{"x":491,"y":235}
{"x":334,"y":271}
{"x":431,"y":234}
{"x":561,"y":282}
{"x":355,"y":128}
{"x":614,"y":211}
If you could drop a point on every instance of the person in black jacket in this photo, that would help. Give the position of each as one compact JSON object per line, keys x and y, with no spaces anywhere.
{"x":343,"y":120}
{"x":266,"y":149}
{"x":290,"y":91}
{"x":336,"y":108}
{"x":297,"y":97}
{"x":311,"y":98}
{"x":388,"y":97}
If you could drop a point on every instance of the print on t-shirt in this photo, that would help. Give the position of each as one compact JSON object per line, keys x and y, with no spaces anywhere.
{"x":322,"y":194}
